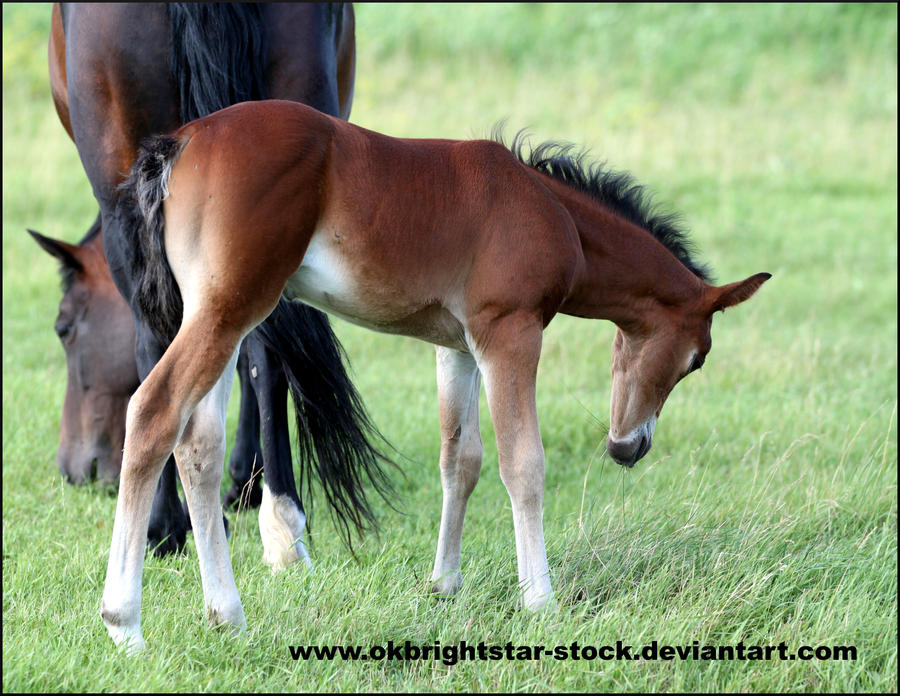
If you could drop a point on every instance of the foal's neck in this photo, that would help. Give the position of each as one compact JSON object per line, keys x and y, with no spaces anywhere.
{"x":627,"y":272}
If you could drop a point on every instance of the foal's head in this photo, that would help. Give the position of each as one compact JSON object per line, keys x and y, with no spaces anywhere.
{"x":651,"y":358}
{"x":96,"y":329}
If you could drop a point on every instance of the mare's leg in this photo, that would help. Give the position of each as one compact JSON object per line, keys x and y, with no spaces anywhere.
{"x":246,"y":462}
{"x":509,"y":363}
{"x":461,"y":449}
{"x":281,"y":516}
{"x":157,"y":415}
{"x":200,"y":454}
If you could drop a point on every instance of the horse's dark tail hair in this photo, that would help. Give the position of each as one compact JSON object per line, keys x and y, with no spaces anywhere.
{"x":334,"y":431}
{"x":156,"y":294}
{"x":217,"y":55}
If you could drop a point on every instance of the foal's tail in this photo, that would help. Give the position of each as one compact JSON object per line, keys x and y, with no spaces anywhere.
{"x":335,"y":434}
{"x":156,"y":294}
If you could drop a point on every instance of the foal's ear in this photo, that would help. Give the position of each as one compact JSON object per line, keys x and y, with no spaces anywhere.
{"x":735,"y":293}
{"x":65,"y":253}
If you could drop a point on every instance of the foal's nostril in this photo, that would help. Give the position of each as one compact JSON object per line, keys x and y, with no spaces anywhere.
{"x":643,"y":448}
{"x":622,"y":452}
{"x":628,"y":452}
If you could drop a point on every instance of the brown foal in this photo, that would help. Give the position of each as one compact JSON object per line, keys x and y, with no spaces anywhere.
{"x":460,"y":243}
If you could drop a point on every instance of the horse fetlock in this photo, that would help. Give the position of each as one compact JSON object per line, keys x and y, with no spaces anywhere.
{"x":124,"y":626}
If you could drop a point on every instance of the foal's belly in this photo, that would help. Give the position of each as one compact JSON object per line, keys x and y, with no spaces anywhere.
{"x":327,"y":281}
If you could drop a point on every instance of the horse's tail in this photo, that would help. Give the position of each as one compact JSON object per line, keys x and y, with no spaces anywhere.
{"x":217,"y":55}
{"x":156,"y":294}
{"x":334,"y":431}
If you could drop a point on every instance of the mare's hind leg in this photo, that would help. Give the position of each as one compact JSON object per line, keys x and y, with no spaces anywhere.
{"x":157,"y":415}
{"x":509,"y":363}
{"x":281,"y":516}
{"x":246,"y":462}
{"x":461,"y":450}
{"x":200,"y":455}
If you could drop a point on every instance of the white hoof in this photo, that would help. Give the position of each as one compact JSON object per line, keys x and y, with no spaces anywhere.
{"x":124,"y":626}
{"x":281,"y":525}
{"x":448,"y":584}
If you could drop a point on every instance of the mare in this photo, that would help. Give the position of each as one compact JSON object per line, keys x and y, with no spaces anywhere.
{"x":118,"y":74}
{"x":469,"y":245}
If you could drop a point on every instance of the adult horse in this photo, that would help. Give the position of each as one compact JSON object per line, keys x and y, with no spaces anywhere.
{"x":120,"y":73}
{"x":464,"y":244}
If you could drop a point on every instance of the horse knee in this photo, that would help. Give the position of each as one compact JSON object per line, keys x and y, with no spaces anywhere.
{"x":461,"y":462}
{"x":523,"y":477}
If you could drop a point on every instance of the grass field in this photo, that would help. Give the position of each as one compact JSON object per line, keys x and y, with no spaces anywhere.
{"x":766,"y":511}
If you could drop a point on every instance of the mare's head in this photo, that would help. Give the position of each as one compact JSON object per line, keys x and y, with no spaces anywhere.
{"x":96,"y":329}
{"x":651,"y":356}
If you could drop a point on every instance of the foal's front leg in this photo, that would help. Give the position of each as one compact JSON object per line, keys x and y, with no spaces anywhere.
{"x":509,"y":365}
{"x":461,"y":449}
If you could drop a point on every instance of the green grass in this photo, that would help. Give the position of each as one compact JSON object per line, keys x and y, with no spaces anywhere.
{"x":767,"y":509}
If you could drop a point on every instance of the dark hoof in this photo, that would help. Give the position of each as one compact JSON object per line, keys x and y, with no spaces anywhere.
{"x":169,"y":534}
{"x":163,"y":543}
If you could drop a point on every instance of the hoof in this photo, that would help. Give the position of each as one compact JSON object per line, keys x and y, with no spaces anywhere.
{"x":126,"y":634}
{"x":448,"y":585}
{"x":227,"y":617}
{"x":281,"y":525}
{"x":539,"y":602}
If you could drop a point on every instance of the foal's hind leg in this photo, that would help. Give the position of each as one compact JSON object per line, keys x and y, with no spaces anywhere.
{"x":461,"y":450}
{"x":509,"y":364}
{"x":157,"y":415}
{"x":200,"y":455}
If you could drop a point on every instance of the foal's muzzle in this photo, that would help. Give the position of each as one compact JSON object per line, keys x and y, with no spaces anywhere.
{"x":628,"y":452}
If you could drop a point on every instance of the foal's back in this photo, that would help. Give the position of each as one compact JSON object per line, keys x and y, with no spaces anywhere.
{"x":399,"y":235}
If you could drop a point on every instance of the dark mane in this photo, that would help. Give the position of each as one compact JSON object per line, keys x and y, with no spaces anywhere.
{"x":615,"y":190}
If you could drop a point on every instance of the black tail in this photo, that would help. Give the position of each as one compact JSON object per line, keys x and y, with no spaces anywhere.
{"x":218,"y":55}
{"x":334,"y":431}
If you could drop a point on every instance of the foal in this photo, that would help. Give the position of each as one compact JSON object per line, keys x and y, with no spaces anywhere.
{"x":460,"y":243}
